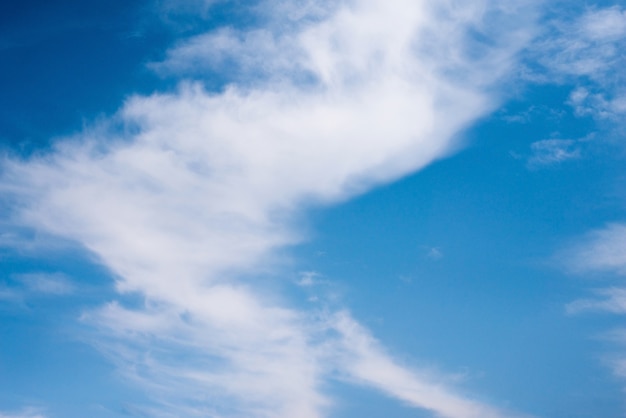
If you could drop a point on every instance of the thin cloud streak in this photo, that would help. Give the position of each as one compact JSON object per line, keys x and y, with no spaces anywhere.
{"x":601,"y":251}
{"x":549,"y":152}
{"x":613,"y":300}
{"x":55,"y":284}
{"x":184,"y":194}
{"x":366,"y":362}
{"x":25,"y":413}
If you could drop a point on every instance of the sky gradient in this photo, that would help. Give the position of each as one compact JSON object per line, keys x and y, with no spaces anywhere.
{"x":309,"y":209}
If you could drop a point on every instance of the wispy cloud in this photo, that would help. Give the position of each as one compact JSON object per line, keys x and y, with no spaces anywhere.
{"x":553,"y":151}
{"x":24,"y":413}
{"x":184,"y":196}
{"x":19,"y":288}
{"x":611,"y":300}
{"x":434,"y":253}
{"x":587,"y":45}
{"x":602,"y":250}
{"x":308,"y":279}
{"x":47,"y":283}
{"x":366,"y":362}
{"x":598,"y":104}
{"x":587,"y":50}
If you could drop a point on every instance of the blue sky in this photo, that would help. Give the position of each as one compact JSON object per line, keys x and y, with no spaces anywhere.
{"x":312,"y":209}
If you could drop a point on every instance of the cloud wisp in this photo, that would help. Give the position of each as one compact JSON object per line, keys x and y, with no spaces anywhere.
{"x":587,"y":50}
{"x":25,"y":413}
{"x":613,"y":300}
{"x":185,"y":196}
{"x":55,"y":284}
{"x":17,"y":289}
{"x":549,"y":152}
{"x":603,"y":251}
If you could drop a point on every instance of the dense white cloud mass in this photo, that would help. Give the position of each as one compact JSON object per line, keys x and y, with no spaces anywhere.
{"x":200,"y":189}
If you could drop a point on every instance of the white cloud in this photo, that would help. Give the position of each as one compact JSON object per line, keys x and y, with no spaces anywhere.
{"x":612,"y":300}
{"x":553,"y":151}
{"x":47,"y":283}
{"x":434,"y":253}
{"x":587,"y":51}
{"x":365,"y":362}
{"x":604,"y":24}
{"x":598,"y":105}
{"x":588,"y":45}
{"x":192,"y":191}
{"x":603,"y":250}
{"x":21,"y":287}
{"x":24,"y":413}
{"x":308,"y":279}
